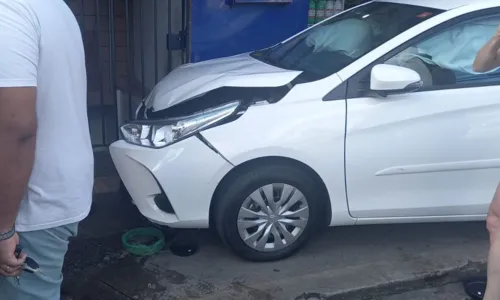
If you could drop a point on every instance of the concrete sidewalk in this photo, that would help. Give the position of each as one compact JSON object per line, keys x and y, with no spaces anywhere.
{"x":447,"y":292}
{"x":366,"y":262}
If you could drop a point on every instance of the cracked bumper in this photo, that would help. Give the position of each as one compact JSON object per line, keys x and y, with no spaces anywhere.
{"x":174,"y":185}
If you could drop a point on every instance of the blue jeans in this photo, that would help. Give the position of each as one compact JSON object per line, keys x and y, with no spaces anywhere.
{"x":48,"y":248}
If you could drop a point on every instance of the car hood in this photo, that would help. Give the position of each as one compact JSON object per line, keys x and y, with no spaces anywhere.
{"x":189,"y":81}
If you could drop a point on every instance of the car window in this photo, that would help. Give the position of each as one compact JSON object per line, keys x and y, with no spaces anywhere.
{"x":332,"y":45}
{"x":445,"y":59}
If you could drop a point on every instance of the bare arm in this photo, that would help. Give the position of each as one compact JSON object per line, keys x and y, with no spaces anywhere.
{"x":19,"y":54}
{"x":17,"y":151}
{"x":488,"y":57}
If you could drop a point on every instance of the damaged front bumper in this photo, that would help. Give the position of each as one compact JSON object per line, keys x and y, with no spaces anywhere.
{"x":173,"y":185}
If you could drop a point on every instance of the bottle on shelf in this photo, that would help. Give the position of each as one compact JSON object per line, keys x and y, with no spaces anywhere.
{"x":311,"y":20}
{"x":320,"y":10}
{"x":329,"y":8}
{"x":338,"y":7}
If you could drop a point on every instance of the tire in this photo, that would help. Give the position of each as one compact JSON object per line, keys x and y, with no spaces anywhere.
{"x":236,"y":192}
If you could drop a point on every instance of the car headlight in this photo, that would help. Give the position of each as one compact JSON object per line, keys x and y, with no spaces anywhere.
{"x":161,"y":133}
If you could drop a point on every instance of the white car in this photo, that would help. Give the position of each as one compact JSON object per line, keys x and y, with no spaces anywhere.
{"x":372,"y":116}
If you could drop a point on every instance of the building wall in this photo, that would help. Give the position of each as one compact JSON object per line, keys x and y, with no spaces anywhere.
{"x":135,"y":44}
{"x":93,"y":16}
{"x":153,"y":20}
{"x":156,"y":64}
{"x":98,"y":58}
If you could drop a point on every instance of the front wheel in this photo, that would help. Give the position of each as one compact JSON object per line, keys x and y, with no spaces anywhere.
{"x":269,"y":212}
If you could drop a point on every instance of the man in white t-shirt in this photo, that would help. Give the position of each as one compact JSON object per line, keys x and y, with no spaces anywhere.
{"x":46,"y":158}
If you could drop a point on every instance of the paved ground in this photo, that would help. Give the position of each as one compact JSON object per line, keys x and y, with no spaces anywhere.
{"x":368,"y":262}
{"x":447,"y":292}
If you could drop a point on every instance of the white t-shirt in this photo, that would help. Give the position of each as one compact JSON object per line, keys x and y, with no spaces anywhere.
{"x":41,"y":45}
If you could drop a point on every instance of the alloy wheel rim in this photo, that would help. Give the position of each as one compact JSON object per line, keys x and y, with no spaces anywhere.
{"x":273,"y":217}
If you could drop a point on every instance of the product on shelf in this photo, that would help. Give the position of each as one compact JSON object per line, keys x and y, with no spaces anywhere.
{"x":311,"y":20}
{"x":320,"y":10}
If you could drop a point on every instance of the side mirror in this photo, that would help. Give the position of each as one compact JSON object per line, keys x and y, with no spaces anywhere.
{"x":388,"y":79}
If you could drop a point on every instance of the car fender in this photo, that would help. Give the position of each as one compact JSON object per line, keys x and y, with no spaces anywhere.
{"x":316,"y":139}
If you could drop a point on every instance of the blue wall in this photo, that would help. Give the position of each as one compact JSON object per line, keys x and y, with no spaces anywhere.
{"x":219,"y":29}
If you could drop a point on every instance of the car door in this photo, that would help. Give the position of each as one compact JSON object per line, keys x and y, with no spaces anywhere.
{"x":435,"y":152}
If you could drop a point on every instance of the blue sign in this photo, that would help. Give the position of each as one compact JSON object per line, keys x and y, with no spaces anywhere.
{"x":219,"y":29}
{"x":262,"y":1}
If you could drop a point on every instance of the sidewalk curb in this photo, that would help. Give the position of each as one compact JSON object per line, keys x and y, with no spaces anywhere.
{"x":420,"y":281}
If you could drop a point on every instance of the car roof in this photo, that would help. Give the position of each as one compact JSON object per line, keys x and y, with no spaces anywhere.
{"x":439,"y":4}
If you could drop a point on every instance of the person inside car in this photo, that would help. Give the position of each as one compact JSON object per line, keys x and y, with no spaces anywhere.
{"x":488,"y":57}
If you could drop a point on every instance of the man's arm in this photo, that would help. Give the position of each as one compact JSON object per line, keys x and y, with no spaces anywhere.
{"x":19,"y":54}
{"x":17,"y":150}
{"x":488,"y":57}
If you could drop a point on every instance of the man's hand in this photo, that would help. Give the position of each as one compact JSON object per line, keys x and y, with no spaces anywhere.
{"x":488,"y":57}
{"x":496,"y":40}
{"x":10,"y":266}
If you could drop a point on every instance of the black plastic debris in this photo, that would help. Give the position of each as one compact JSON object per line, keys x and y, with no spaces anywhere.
{"x":475,"y":287}
{"x":184,"y":249}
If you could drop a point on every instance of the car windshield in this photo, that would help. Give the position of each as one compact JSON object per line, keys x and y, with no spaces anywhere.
{"x":332,"y":45}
